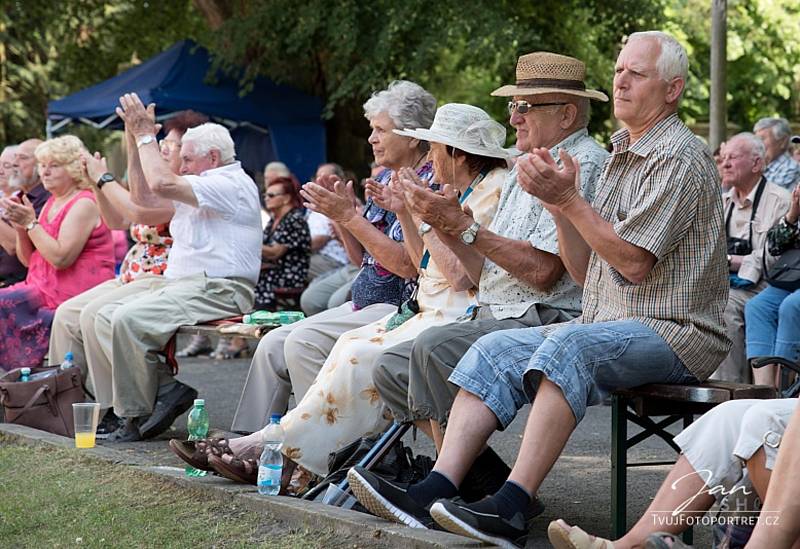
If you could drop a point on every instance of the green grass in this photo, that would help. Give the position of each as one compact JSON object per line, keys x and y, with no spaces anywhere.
{"x":52,"y":497}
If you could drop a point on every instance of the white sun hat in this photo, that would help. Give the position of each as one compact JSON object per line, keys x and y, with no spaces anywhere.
{"x":464,"y":127}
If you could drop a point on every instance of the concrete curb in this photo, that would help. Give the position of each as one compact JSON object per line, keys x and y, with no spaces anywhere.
{"x":292,"y":512}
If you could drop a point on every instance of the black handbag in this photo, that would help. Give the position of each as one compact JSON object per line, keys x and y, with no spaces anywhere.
{"x":785,"y":272}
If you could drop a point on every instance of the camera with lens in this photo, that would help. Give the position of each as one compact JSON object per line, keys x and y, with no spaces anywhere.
{"x":739,"y":246}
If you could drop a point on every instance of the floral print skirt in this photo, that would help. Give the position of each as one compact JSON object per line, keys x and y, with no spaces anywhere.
{"x":343,"y":404}
{"x":24,"y":328}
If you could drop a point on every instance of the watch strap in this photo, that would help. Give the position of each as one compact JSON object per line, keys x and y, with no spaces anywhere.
{"x":105,"y":178}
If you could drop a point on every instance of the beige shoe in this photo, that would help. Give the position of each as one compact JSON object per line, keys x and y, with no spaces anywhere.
{"x":564,"y":536}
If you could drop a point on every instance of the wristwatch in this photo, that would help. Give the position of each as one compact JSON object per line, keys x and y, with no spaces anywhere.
{"x":31,"y":225}
{"x":470,"y":234}
{"x":424,"y":229}
{"x":144,"y":140}
{"x":105,"y":178}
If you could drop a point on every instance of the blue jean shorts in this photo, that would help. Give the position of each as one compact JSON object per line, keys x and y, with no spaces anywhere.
{"x":586,"y":361}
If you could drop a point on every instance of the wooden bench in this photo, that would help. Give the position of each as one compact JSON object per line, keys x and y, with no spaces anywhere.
{"x":672,"y":403}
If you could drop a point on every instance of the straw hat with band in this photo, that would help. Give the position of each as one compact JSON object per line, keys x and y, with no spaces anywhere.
{"x":544,"y":72}
{"x":466,"y":128}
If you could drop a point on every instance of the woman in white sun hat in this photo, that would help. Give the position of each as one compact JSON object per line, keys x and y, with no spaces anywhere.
{"x":343,"y":405}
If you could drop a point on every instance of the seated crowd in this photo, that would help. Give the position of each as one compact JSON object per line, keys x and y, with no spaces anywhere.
{"x":472,"y":281}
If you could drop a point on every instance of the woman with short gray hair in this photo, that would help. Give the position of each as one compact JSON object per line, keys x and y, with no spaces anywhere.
{"x":781,"y":168}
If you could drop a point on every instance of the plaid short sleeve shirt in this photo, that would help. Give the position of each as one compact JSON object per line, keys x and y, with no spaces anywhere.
{"x":662,"y":194}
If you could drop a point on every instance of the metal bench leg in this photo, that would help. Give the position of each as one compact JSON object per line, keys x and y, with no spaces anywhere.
{"x":619,"y":466}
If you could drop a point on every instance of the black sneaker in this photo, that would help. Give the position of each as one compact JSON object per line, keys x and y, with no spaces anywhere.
{"x":128,"y":431}
{"x":387,"y":499}
{"x":458,"y":517}
{"x":168,"y":407}
{"x":485,"y":477}
{"x":110,"y":423}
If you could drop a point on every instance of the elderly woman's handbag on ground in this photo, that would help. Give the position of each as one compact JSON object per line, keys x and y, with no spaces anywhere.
{"x":44,"y":403}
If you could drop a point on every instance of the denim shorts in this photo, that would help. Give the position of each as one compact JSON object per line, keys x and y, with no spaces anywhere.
{"x":586,"y":361}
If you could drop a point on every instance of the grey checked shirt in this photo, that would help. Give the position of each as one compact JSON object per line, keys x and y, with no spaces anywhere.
{"x":784,"y":171}
{"x":662,"y":194}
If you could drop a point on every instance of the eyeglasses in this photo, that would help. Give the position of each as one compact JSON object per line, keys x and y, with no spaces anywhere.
{"x":523,"y":107}
{"x":273,"y":195}
{"x":167,"y":145}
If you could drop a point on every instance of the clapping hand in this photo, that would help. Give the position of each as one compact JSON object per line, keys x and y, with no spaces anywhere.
{"x":794,"y":206}
{"x":440,"y":210}
{"x":389,"y":197}
{"x":539,"y":174}
{"x":139,"y":120}
{"x":94,"y":166}
{"x":332,"y":198}
{"x":18,"y":213}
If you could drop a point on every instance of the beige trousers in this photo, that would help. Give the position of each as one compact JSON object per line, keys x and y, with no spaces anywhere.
{"x":288,"y":359}
{"x":73,"y":330}
{"x":132,"y":329}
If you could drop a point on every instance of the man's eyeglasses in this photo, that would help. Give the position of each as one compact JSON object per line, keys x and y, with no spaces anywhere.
{"x":523,"y":107}
{"x":273,"y":195}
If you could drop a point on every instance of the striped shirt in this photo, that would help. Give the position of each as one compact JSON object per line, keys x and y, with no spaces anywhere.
{"x":662,"y":194}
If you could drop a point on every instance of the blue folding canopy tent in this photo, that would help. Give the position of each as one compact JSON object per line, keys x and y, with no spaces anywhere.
{"x":272,"y":122}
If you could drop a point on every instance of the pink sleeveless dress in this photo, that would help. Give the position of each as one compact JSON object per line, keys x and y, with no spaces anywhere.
{"x":27,"y":308}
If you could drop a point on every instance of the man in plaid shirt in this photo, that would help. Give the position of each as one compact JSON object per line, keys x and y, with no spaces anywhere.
{"x":650,"y":252}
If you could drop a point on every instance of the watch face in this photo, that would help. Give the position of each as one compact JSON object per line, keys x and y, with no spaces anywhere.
{"x":468,"y":237}
{"x":424,"y":228}
{"x":107,"y":178}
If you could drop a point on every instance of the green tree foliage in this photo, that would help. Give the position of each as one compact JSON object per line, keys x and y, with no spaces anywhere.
{"x":763,"y":70}
{"x":342,"y":50}
{"x":49,"y":49}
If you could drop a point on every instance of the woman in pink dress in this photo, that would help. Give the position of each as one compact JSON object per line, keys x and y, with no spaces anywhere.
{"x":68,"y":250}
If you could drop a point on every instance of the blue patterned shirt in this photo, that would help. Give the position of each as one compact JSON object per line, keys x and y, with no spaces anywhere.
{"x":783,"y":171}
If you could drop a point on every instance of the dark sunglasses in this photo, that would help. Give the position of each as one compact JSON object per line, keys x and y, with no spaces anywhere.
{"x":522,"y":107}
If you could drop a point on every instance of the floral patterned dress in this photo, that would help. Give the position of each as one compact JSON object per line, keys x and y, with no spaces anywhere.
{"x":27,"y":308}
{"x":148,"y":254}
{"x":291,"y":269}
{"x":343,"y":404}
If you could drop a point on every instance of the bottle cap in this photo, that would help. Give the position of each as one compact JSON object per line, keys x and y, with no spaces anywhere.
{"x":246,"y":319}
{"x":27,"y":372}
{"x":275,"y":418}
{"x":199,"y":402}
{"x":69,"y":356}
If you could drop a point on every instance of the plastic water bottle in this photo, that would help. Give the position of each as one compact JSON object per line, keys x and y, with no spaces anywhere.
{"x":197,"y":425}
{"x":269,"y":317}
{"x":69,"y":361}
{"x":24,"y":374}
{"x":270,"y":466}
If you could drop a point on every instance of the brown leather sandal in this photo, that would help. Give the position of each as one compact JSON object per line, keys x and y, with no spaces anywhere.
{"x":242,"y":468}
{"x":197,"y":452}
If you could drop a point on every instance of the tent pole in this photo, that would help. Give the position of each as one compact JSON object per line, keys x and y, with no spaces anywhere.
{"x":48,"y":130}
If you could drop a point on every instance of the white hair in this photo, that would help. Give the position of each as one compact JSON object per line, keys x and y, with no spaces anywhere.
{"x":10,"y":149}
{"x":779,"y":126}
{"x":672,"y":61}
{"x":756,"y":144}
{"x":406,"y":103}
{"x":210,"y":136}
{"x":278,"y":168}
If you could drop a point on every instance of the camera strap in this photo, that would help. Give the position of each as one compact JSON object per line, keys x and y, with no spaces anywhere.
{"x":756,"y":199}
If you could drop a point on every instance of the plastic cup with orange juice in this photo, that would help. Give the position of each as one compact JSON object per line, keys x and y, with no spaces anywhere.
{"x":86,"y":416}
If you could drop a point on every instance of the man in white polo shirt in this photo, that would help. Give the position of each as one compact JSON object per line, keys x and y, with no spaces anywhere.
{"x":213,"y":266}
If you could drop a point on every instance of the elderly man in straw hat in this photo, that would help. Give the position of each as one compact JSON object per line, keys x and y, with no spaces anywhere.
{"x":650,"y":253}
{"x":513,"y":261}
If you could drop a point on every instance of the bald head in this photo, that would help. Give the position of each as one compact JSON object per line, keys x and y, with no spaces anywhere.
{"x":24,"y":172}
{"x":6,"y":165}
